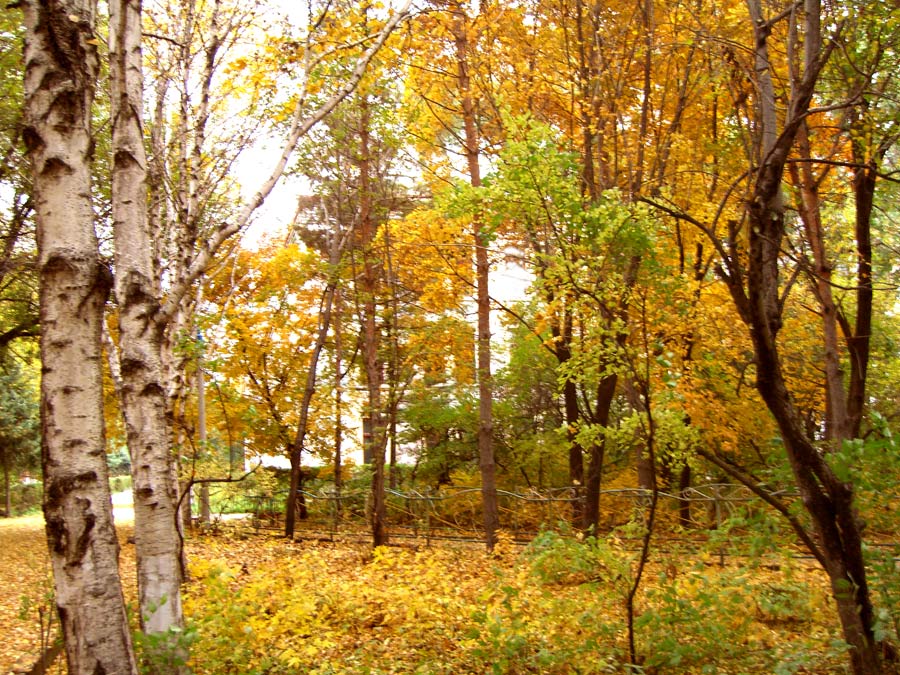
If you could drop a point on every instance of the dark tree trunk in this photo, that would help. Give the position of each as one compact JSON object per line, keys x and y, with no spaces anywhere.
{"x":296,"y":449}
{"x":605,"y":393}
{"x":858,"y":343}
{"x":7,"y":494}
{"x":756,"y":291}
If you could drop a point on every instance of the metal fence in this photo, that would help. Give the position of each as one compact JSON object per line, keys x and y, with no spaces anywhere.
{"x":455,"y":513}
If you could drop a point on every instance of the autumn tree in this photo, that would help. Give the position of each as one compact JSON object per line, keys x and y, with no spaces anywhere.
{"x":791,"y":52}
{"x":158,"y":275}
{"x":265,"y":341}
{"x":348,"y":162}
{"x":454,"y":101}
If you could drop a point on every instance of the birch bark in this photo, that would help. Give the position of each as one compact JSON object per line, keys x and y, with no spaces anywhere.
{"x":61,"y":70}
{"x":143,"y":393}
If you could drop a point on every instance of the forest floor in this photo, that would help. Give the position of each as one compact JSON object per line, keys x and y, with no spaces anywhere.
{"x":259,"y":604}
{"x":26,"y":610}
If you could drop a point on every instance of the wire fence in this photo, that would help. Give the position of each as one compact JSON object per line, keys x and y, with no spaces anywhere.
{"x":455,"y":513}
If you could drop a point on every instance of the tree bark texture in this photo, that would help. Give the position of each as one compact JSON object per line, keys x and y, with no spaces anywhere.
{"x":859,"y":343}
{"x":143,"y":395}
{"x":61,"y":70}
{"x":606,"y":391}
{"x":836,"y":423}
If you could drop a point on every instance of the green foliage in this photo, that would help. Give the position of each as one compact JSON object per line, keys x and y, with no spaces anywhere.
{"x":119,"y":483}
{"x":884,"y":563}
{"x":119,"y":462}
{"x":19,"y":424}
{"x":527,"y":419}
{"x":164,"y":652}
{"x":442,"y":425}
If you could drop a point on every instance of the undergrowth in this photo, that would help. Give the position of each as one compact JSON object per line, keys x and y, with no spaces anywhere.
{"x":556,"y":606}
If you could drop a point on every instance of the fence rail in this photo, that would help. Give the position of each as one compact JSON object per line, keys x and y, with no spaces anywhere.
{"x":456,"y":512}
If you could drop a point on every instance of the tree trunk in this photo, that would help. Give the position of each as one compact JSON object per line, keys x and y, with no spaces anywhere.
{"x":205,"y":511}
{"x":684,"y":504}
{"x":296,"y":448}
{"x":756,"y":294}
{"x":836,"y":423}
{"x":338,"y":398}
{"x":576,"y":452}
{"x":490,"y":512}
{"x":374,"y":441}
{"x":605,"y":393}
{"x":61,"y":70}
{"x":157,"y":538}
{"x":829,"y":503}
{"x":864,"y":180}
{"x":562,"y":331}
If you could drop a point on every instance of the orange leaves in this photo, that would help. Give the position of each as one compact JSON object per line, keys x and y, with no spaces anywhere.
{"x":268,"y":303}
{"x":433,"y":260}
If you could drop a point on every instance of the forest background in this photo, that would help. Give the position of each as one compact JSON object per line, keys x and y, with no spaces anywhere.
{"x":701,"y":194}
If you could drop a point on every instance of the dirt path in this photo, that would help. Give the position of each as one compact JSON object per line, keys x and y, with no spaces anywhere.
{"x":26,"y":587}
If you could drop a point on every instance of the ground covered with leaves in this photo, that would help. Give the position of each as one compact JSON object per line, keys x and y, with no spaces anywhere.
{"x":556,"y":606}
{"x":259,"y":604}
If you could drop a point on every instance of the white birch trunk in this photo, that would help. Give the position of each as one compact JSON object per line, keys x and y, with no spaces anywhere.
{"x":143,"y":393}
{"x":61,"y":68}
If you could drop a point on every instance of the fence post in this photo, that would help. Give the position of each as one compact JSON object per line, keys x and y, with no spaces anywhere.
{"x":333,"y":498}
{"x":428,"y":521}
{"x":717,"y":496}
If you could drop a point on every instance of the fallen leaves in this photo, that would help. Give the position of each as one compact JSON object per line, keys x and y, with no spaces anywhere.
{"x":27,"y":611}
{"x":24,"y":583}
{"x":260,"y":604}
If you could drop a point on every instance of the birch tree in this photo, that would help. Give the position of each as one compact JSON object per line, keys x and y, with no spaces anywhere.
{"x":143,"y":392}
{"x":61,"y":71}
{"x":152,"y":297}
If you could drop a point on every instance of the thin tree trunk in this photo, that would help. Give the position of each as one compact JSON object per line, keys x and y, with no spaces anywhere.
{"x":563,"y":352}
{"x":296,"y":449}
{"x":487,"y":465}
{"x":61,"y":71}
{"x":837,"y":423}
{"x":338,"y":397}
{"x":605,"y":393}
{"x":587,"y":83}
{"x":684,"y":504}
{"x":7,"y":495}
{"x":864,"y":180}
{"x":393,"y":364}
{"x":157,"y":538}
{"x":375,"y":443}
{"x":205,"y":514}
